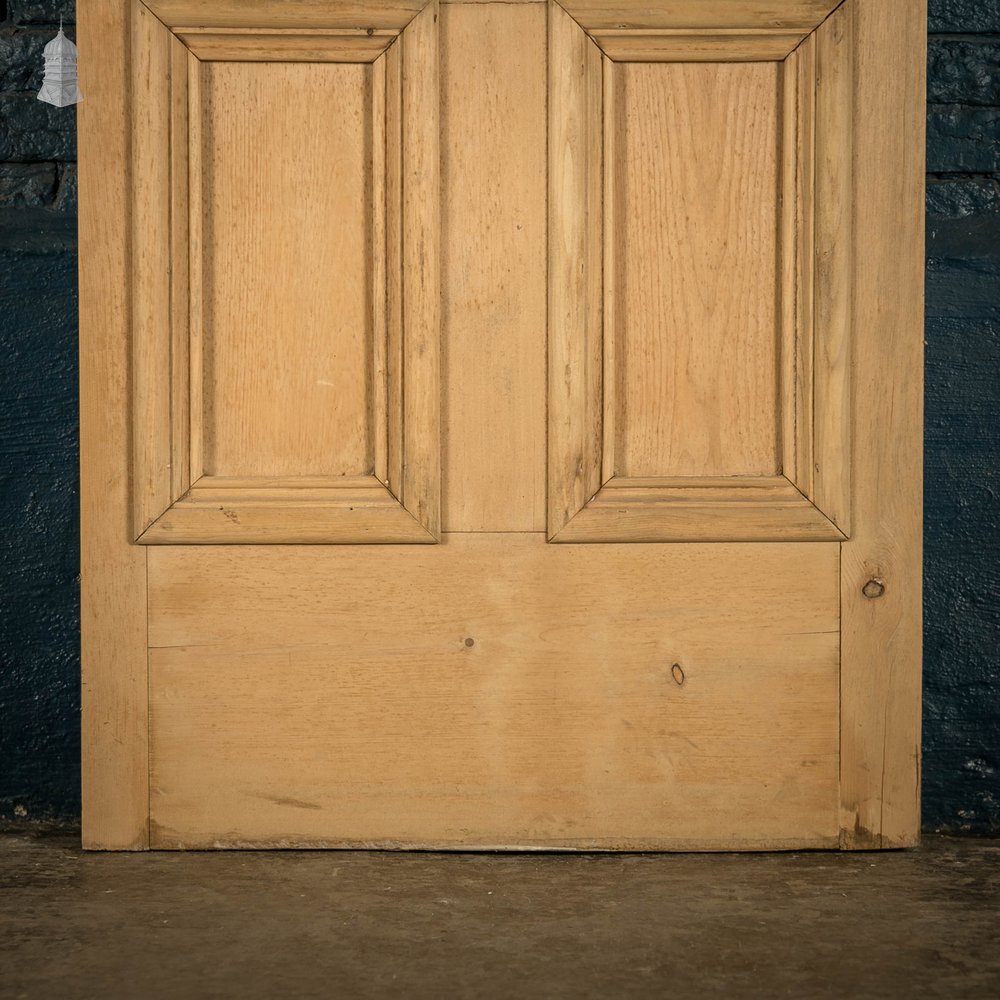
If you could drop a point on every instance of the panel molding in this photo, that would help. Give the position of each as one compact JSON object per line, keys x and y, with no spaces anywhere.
{"x":691,"y":45}
{"x":814,"y":323}
{"x":736,"y":509}
{"x":172,"y":498}
{"x":234,"y":512}
{"x":734,"y":15}
{"x":271,"y":14}
{"x":277,"y":45}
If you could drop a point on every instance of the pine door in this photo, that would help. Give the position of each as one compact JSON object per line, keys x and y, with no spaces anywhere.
{"x":501,"y":423}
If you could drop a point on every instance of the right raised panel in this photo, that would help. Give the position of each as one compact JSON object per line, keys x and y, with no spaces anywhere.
{"x":700,"y":269}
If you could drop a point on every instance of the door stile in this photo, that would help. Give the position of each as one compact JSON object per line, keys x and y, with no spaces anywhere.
{"x":881,"y":562}
{"x":113,"y":609}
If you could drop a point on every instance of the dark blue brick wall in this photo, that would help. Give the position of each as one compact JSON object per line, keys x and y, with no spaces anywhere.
{"x":962,"y":450}
{"x":39,"y":617}
{"x":39,"y":535}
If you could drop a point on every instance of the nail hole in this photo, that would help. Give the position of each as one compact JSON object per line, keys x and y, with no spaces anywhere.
{"x":873,"y":588}
{"x":677,"y":673}
{"x":470,"y":642}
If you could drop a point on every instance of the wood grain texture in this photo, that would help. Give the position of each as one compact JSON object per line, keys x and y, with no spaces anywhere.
{"x":113,"y":721}
{"x":797,"y":244}
{"x":421,"y":269}
{"x":562,"y":724}
{"x":197,"y":261}
{"x":348,"y":14}
{"x":711,"y":510}
{"x":312,"y":46}
{"x":245,"y":515}
{"x":287,"y":342}
{"x":151,"y":265}
{"x":180,"y":277}
{"x":378,"y":191}
{"x":881,"y":655}
{"x":834,"y":273}
{"x":394,"y":267}
{"x":598,"y":15}
{"x":721,"y":45}
{"x":575,"y":266}
{"x":303,"y":351}
{"x":695,"y":227}
{"x":612,"y":370}
{"x":494,"y":291}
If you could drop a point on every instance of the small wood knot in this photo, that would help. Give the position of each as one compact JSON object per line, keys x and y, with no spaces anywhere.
{"x":370,"y":31}
{"x":470,"y":642}
{"x":873,"y":588}
{"x":677,"y":673}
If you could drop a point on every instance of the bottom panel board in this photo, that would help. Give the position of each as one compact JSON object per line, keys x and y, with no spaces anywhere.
{"x":495,"y":692}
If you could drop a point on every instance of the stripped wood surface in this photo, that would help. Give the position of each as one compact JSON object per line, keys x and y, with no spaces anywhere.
{"x":575,"y":262}
{"x":346,"y":47}
{"x":744,"y":672}
{"x":288,"y":335}
{"x":149,"y":129}
{"x":113,"y":642}
{"x":798,"y":169}
{"x":834,"y":253}
{"x":601,"y":15}
{"x":507,"y":693}
{"x":421,"y":269}
{"x":881,"y":652}
{"x":722,"y":45}
{"x":697,"y":269}
{"x":494,"y":290}
{"x":270,"y":14}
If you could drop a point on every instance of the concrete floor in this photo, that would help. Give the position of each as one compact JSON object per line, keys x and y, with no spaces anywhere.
{"x":364,"y":924}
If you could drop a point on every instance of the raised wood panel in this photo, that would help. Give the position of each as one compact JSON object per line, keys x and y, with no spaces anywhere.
{"x":287,"y":288}
{"x":730,"y":357}
{"x":507,"y":693}
{"x":306,"y":343}
{"x":494,"y":239}
{"x":695,"y":205}
{"x":598,"y":15}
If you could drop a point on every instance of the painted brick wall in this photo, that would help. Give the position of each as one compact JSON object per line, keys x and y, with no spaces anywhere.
{"x":39,"y":536}
{"x":39,"y":616}
{"x":962,"y":450}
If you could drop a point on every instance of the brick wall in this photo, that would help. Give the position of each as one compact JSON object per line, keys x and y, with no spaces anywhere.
{"x":962,"y":450}
{"x":39,"y":537}
{"x":39,"y":618}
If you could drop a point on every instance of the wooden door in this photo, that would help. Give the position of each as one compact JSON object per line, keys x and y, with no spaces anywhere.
{"x":501,"y":423}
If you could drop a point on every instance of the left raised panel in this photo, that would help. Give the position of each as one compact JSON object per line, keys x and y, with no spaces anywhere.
{"x":285,"y":332}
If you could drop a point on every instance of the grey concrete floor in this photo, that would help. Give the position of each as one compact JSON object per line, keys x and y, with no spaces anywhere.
{"x":365,"y":924}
